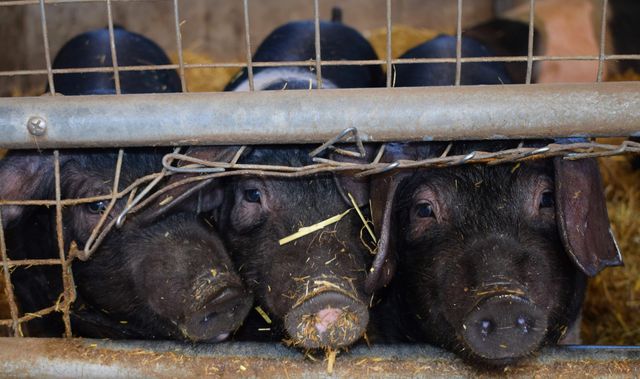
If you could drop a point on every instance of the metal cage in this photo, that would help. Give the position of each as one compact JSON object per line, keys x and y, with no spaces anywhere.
{"x":595,"y":109}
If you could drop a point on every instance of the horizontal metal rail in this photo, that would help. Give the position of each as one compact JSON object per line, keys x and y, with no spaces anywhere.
{"x":76,"y":358}
{"x":435,"y":113}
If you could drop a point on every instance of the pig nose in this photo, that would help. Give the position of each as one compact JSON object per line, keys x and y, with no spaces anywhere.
{"x":219,"y":315}
{"x":327,"y":320}
{"x":504,"y":327}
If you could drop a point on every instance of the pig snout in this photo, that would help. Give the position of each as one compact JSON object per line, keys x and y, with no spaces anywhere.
{"x":328,"y":319}
{"x":503,"y":326}
{"x":219,"y":309}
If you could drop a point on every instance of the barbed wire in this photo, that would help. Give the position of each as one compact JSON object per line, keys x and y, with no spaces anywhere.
{"x":572,"y":151}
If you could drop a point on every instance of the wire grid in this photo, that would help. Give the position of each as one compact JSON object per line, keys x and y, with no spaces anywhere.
{"x":181,"y":66}
{"x":220,"y":169}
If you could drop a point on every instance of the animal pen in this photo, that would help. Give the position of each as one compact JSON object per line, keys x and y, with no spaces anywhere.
{"x":210,"y":41}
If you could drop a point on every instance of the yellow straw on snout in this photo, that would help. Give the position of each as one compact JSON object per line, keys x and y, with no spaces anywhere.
{"x":366,"y":224}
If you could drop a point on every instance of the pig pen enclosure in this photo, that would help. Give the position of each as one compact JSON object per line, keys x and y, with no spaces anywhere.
{"x":574,"y":77}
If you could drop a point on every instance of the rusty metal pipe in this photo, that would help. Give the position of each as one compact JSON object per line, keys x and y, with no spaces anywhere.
{"x":99,"y":358}
{"x":435,"y":113}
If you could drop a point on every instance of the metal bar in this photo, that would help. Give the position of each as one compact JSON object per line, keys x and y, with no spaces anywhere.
{"x":380,"y":114}
{"x":176,"y":14}
{"x":389,"y":57}
{"x":603,"y":31}
{"x":459,"y":43}
{"x":112,"y":45}
{"x":189,"y":66}
{"x":247,"y":42}
{"x":102,"y":358}
{"x":47,"y":51}
{"x":532,"y":7}
{"x":8,"y":287}
{"x":316,"y":23}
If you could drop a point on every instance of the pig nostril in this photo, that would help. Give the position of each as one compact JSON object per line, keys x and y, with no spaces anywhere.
{"x":486,"y":327}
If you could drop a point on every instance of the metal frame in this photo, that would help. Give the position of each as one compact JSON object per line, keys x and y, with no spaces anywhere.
{"x":474,"y":112}
{"x":423,"y":114}
{"x":99,"y":358}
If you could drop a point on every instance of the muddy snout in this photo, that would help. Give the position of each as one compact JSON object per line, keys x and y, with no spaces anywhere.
{"x":504,"y":326}
{"x":220,"y":307}
{"x":330,"y":319}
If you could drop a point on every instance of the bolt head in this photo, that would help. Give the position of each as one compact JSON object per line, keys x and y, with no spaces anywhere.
{"x":37,"y":126}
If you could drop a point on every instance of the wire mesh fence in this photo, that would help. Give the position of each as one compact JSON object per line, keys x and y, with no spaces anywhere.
{"x":144,"y":191}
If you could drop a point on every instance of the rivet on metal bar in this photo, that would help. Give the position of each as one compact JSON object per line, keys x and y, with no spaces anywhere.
{"x":343,"y":137}
{"x":37,"y":126}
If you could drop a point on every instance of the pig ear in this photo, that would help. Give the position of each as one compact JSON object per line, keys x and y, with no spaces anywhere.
{"x":582,"y":217}
{"x":24,"y":176}
{"x":382,"y":200}
{"x":203,"y":196}
{"x":384,"y":263}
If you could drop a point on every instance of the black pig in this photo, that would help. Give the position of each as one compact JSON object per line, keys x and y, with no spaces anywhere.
{"x":168,"y":277}
{"x":624,"y":27}
{"x":491,"y":260}
{"x":295,"y":41}
{"x":313,"y":286}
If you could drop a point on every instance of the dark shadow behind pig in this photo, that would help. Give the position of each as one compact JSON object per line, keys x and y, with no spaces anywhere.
{"x":168,"y":277}
{"x":492,"y":261}
{"x":624,"y":27}
{"x":311,"y":287}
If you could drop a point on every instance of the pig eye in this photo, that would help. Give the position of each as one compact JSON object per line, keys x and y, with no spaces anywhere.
{"x":425,"y":210}
{"x":546,"y":200}
{"x":252,"y":195}
{"x":99,"y":207}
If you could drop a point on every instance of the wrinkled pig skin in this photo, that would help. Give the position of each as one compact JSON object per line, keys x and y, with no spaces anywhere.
{"x":169,"y":277}
{"x":312,"y":287}
{"x":479,"y":252}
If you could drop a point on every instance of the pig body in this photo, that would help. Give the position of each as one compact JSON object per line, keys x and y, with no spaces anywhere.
{"x":443,"y":74}
{"x":312,"y":287}
{"x":92,"y":49}
{"x":491,"y":259}
{"x":295,"y":41}
{"x":624,"y":27}
{"x":169,"y":277}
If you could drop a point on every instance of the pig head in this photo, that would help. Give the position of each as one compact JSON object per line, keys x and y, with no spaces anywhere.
{"x":168,"y":279}
{"x":313,"y":285}
{"x":492,"y":260}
